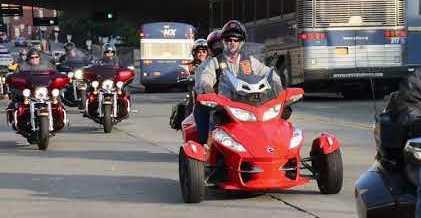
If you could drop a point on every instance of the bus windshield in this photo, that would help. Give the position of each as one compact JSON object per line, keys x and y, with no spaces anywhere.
{"x":165,"y":49}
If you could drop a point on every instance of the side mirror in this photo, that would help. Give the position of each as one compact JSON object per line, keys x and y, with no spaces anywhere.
{"x":293,"y":95}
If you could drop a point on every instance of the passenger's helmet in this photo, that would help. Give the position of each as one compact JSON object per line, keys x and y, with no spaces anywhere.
{"x":215,"y":42}
{"x":69,"y":46}
{"x":107,"y":47}
{"x":234,"y":28}
{"x":199,"y":44}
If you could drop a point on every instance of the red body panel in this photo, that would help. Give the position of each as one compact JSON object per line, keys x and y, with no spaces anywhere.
{"x":268,"y":157}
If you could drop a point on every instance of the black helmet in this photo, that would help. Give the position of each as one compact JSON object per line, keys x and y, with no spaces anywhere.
{"x":234,"y":28}
{"x":108,"y":47}
{"x":199,"y":44}
{"x":31,"y":52}
{"x":69,"y":46}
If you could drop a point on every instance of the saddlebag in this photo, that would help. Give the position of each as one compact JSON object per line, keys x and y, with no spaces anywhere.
{"x":177,"y":115}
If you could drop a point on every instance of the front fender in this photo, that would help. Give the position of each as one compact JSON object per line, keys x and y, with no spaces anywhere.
{"x":326,"y":143}
{"x":195,"y":151}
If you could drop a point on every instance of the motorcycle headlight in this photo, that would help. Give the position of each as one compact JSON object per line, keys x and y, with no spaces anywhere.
{"x":41,"y":93}
{"x":3,"y":79}
{"x":70,"y":75}
{"x":119,"y":84}
{"x":272,"y":112}
{"x":296,"y":139}
{"x":95,"y":84}
{"x":55,"y":92}
{"x":26,"y":93}
{"x":107,"y":84}
{"x":79,"y":74}
{"x":224,"y":139}
{"x":241,"y":114}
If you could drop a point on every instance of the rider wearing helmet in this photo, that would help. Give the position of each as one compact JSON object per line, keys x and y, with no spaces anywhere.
{"x":200,"y":54}
{"x":109,"y":55}
{"x":215,"y":43}
{"x":72,"y":54}
{"x":210,"y":77}
{"x":34,"y":62}
{"x":22,"y":56}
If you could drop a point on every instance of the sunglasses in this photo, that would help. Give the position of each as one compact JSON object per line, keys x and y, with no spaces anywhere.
{"x":232,"y":40}
{"x":202,"y":51}
{"x":34,"y":57}
{"x":109,"y":52}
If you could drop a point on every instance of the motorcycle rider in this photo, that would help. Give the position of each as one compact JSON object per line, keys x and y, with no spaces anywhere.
{"x":109,"y":55}
{"x":200,"y":54}
{"x":209,"y":77}
{"x":72,"y":54}
{"x":33,"y":62}
{"x":215,"y":43}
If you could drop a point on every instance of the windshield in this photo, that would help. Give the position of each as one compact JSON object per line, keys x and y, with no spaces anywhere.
{"x":250,"y":89}
{"x":166,"y":49}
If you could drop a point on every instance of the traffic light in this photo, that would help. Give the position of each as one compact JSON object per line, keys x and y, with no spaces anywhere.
{"x":45,"y":21}
{"x":104,"y":16}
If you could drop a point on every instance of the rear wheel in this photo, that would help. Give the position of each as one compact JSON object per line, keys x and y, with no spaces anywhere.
{"x":192,"y":178}
{"x":43,"y":133}
{"x":329,"y":171}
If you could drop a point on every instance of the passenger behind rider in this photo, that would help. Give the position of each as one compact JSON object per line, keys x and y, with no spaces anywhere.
{"x":200,"y":54}
{"x":210,"y":77}
{"x":215,"y":44}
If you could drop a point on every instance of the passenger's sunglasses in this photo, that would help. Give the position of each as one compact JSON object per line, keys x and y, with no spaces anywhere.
{"x":107,"y":52}
{"x":232,"y":40}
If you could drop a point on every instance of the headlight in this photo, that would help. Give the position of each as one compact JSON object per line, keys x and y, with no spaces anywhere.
{"x":26,"y":92}
{"x":107,"y":84}
{"x":79,"y":74}
{"x":413,"y":148}
{"x":131,"y":67}
{"x":296,"y":139}
{"x":224,"y":139}
{"x":41,"y":93}
{"x":70,"y":74}
{"x":95,"y":84}
{"x":3,"y":79}
{"x":272,"y":112}
{"x":242,"y":115}
{"x":119,"y":84}
{"x":55,"y":92}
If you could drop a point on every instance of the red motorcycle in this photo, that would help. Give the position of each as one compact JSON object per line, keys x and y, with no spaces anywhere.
{"x":253,"y":148}
{"x":38,"y":111}
{"x":108,"y":101}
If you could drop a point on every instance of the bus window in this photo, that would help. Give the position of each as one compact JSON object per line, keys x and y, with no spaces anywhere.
{"x":227,"y":10}
{"x":275,"y":8}
{"x":289,"y":7}
{"x":249,"y":10}
{"x":261,"y":9}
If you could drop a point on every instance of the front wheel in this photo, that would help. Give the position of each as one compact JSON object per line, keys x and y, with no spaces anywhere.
{"x":107,"y":121}
{"x":329,"y":169}
{"x":43,"y":133}
{"x":192,"y":178}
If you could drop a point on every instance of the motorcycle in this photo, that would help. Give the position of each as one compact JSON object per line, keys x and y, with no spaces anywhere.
{"x":108,"y":101}
{"x":38,"y":112}
{"x":184,"y":108}
{"x":389,"y":187}
{"x":75,"y":94}
{"x":253,"y":148}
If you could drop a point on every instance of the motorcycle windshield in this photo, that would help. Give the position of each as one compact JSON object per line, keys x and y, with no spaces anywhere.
{"x":76,"y":63}
{"x":103,"y":72}
{"x":249,"y":89}
{"x":38,"y":78}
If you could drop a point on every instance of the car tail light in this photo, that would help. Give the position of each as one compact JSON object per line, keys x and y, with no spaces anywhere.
{"x":393,"y":33}
{"x":312,"y":36}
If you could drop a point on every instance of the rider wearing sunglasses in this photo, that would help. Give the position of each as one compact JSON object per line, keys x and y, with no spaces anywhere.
{"x":34,"y":62}
{"x":109,"y":56}
{"x":209,"y":76}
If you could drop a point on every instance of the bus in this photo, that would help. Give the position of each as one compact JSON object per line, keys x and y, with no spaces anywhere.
{"x":328,"y":45}
{"x":165,"y":47}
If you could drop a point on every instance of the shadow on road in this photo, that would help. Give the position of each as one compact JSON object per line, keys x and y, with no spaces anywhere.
{"x":95,"y":187}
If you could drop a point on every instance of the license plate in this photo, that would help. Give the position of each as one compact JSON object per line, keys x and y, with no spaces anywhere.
{"x":156,"y":74}
{"x":341,"y":51}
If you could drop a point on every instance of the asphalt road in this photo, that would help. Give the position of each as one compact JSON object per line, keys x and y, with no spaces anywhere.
{"x":133,"y":172}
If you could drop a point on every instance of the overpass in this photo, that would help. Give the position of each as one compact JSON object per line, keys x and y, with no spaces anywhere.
{"x":192,"y":11}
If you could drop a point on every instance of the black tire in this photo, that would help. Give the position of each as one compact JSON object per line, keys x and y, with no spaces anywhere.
{"x":43,"y":132}
{"x":192,"y":178}
{"x":82,"y":99}
{"x":329,"y":169}
{"x":107,"y":120}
